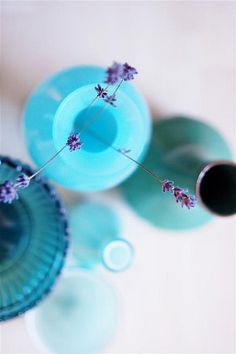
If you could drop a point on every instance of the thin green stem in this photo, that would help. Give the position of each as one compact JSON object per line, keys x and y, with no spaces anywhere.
{"x":92,"y":102}
{"x":122,"y":152}
{"x":48,"y":162}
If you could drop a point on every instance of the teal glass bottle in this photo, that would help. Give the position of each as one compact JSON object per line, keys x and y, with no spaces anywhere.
{"x":57,"y":107}
{"x":194,"y":156}
{"x":96,"y":238}
{"x":33,"y":242}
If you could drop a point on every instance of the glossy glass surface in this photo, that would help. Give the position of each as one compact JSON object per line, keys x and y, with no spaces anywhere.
{"x":80,"y":316}
{"x":180,"y":147}
{"x":96,"y":232}
{"x":57,"y":107}
{"x":33,"y":242}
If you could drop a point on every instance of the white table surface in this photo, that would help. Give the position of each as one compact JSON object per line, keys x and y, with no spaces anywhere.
{"x":179,"y":296}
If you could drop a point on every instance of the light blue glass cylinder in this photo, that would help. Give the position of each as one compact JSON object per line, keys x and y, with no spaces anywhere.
{"x":57,"y":107}
{"x":96,"y":237}
{"x":80,"y":316}
{"x":33,"y":242}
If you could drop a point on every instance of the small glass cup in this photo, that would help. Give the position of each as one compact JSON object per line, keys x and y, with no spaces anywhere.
{"x":96,"y":238}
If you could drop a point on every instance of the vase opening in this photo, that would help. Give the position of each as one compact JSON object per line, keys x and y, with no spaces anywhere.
{"x":216,"y":187}
{"x":105,"y":127}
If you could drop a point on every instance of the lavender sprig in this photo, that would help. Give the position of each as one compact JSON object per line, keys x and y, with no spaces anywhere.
{"x":22,"y":181}
{"x":128,"y":72}
{"x":120,"y":71}
{"x":181,"y":196}
{"x":114,"y":73}
{"x":110,"y":99}
{"x":74,"y":142}
{"x":8,"y":192}
{"x":101,"y":92}
{"x":167,"y":185}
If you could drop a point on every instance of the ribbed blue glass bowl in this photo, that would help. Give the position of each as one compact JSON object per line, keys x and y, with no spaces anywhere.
{"x":33,"y":242}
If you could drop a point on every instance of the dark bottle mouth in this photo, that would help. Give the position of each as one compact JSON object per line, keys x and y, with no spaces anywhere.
{"x":216,"y":187}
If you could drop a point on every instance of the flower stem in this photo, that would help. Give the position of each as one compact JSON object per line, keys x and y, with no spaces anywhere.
{"x":48,"y":162}
{"x":120,"y":151}
{"x":97,"y":114}
{"x":93,"y":118}
{"x":92,"y":102}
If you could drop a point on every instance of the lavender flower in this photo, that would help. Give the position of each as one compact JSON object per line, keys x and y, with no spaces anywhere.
{"x":178,"y":193}
{"x":114,"y":73}
{"x":128,"y":72}
{"x":110,"y":99}
{"x":101,"y":92}
{"x":188,"y":200}
{"x":167,"y":185}
{"x":74,"y":142}
{"x":8,"y":192}
{"x":22,"y":181}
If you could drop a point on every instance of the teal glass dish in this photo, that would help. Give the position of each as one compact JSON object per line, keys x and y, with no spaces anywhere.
{"x":79,"y":317}
{"x":57,"y":107}
{"x":33,"y":242}
{"x":197,"y":158}
{"x":96,"y":238}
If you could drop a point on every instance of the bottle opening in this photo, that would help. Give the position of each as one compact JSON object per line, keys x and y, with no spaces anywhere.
{"x":216,"y":188}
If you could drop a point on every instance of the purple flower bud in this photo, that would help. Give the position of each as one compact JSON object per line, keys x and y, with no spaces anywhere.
{"x":110,"y":99}
{"x":74,"y":142}
{"x":22,"y":181}
{"x":188,"y":200}
{"x":128,"y":72}
{"x":178,"y":192}
{"x":8,"y":192}
{"x":101,"y":92}
{"x":167,"y":185}
{"x":114,"y":73}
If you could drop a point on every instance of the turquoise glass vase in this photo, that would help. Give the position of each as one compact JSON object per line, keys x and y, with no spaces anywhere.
{"x":33,"y":242}
{"x":96,"y":238}
{"x":79,"y":317}
{"x":194,"y":156}
{"x":57,"y":107}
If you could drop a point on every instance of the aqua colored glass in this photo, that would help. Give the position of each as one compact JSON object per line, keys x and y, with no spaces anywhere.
{"x":79,"y":317}
{"x":185,"y":151}
{"x":33,"y":242}
{"x":97,"y":239}
{"x":57,"y":107}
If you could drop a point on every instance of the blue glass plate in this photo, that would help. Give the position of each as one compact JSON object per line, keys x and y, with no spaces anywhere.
{"x":33,"y":242}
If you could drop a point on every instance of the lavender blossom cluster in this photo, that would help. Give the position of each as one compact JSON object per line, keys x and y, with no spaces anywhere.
{"x":181,"y":195}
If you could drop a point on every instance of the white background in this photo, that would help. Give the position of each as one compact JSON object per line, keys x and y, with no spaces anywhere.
{"x":179,"y":296}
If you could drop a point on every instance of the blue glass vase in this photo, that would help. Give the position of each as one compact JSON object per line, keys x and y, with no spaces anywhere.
{"x":79,"y":317}
{"x":33,"y":242}
{"x":56,"y":108}
{"x":194,"y":156}
{"x":96,"y":237}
